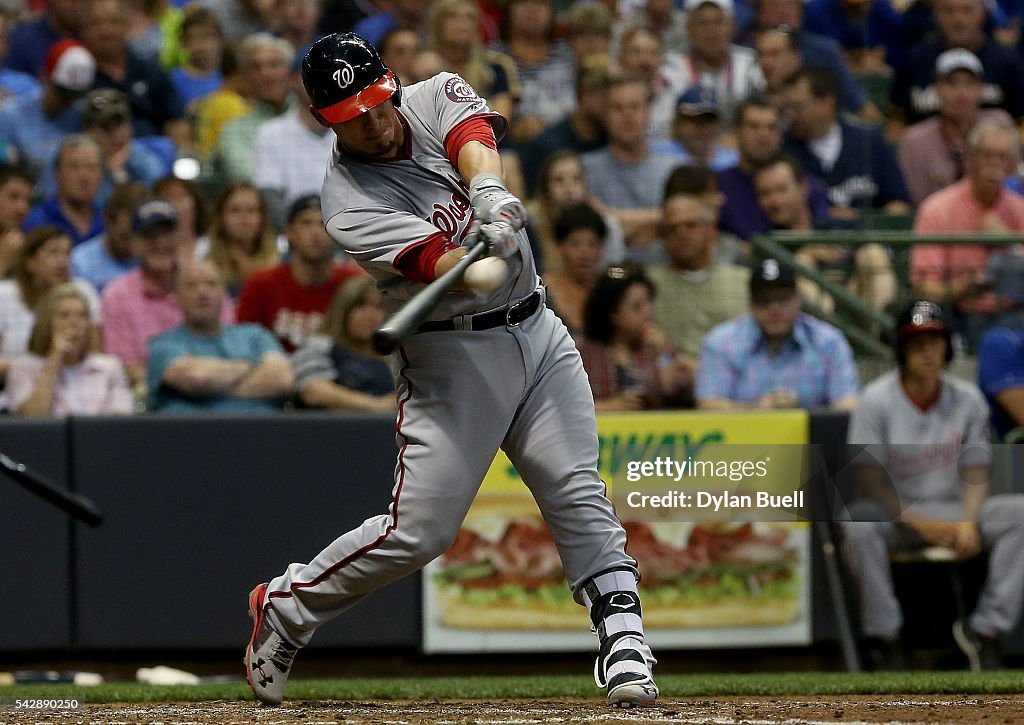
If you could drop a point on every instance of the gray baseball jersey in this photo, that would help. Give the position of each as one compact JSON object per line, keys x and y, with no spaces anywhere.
{"x":924,"y":452}
{"x":462,"y":393}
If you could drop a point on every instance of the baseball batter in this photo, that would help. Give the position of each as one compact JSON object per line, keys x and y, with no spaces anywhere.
{"x":926,"y":432}
{"x":411,"y":169}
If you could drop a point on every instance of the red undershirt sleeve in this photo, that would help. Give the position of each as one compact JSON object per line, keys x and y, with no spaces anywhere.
{"x":474,"y":128}
{"x":418,"y":261}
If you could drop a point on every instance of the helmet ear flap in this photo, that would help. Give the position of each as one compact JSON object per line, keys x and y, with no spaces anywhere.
{"x":396,"y":97}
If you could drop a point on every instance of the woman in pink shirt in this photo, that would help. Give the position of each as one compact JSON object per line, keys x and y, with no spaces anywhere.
{"x":63,"y":373}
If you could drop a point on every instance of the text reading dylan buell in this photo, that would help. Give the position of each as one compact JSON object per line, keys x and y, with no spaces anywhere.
{"x":716,"y":500}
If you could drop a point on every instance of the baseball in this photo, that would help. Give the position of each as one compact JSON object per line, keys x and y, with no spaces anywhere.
{"x":486,"y":274}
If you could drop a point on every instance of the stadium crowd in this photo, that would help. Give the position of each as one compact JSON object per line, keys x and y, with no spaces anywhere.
{"x":652,"y":139}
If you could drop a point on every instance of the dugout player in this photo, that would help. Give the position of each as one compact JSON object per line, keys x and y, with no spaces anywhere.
{"x":412,"y":167}
{"x":924,"y":474}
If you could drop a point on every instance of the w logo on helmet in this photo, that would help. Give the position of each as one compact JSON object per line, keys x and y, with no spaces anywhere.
{"x":344,"y":75}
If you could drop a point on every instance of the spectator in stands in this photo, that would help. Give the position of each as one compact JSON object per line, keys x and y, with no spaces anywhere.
{"x":868,"y":31}
{"x":31,"y":40}
{"x":203,"y":41}
{"x":961,"y":25}
{"x":727,"y":70}
{"x":111,"y":254}
{"x":545,"y":66}
{"x":398,"y":50}
{"x":426,"y":64}
{"x":64,"y":372}
{"x":36,"y":123}
{"x":393,"y":14}
{"x":291,"y":298}
{"x":242,"y":18}
{"x":583,"y":130}
{"x":338,"y":368}
{"x":74,"y":207}
{"x":957,"y":275}
{"x":866,"y":271}
{"x":665,"y":16}
{"x":266,"y":61}
{"x":454,"y":33}
{"x":776,"y":356}
{"x":193,"y":219}
{"x":699,"y":182}
{"x":816,"y":51}
{"x":626,"y":175}
{"x":242,"y":238}
{"x":758,"y":132}
{"x":778,"y":57}
{"x":695,"y":292}
{"x":932,"y":151}
{"x":345,"y":14}
{"x":630,"y":362}
{"x":141,"y":304}
{"x":697,"y":132}
{"x":924,"y":476}
{"x":641,"y":56}
{"x":579,"y":242}
{"x":588,"y":30}
{"x":227,"y":103}
{"x":15,"y":196}
{"x":296,"y":21}
{"x":562,"y":183}
{"x":13,"y":83}
{"x":1001,"y":377}
{"x":203,"y":365}
{"x":855,"y":160}
{"x":290,"y":154}
{"x":43,"y":263}
{"x":108,"y":121}
{"x":154,"y":32}
{"x":156,"y":108}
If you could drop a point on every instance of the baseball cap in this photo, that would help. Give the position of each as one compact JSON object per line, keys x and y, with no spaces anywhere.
{"x":958,"y":59}
{"x":698,"y":101}
{"x":105,"y":104}
{"x":768,"y":275}
{"x":70,"y":66}
{"x":304,"y":202}
{"x":153,"y":213}
{"x":725,"y":5}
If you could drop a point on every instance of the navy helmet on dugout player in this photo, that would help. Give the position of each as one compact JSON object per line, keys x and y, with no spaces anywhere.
{"x":919,"y":317}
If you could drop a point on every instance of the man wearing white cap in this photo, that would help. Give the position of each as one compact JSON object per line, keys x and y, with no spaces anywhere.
{"x":932,"y":152}
{"x":715,"y":63}
{"x":36,"y":123}
{"x":960,"y":24}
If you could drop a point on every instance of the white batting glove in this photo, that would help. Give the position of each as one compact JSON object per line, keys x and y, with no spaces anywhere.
{"x":492,"y":202}
{"x":500,"y":238}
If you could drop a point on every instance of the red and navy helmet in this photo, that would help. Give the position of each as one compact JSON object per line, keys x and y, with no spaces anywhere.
{"x":344,"y":76}
{"x":920,"y":317}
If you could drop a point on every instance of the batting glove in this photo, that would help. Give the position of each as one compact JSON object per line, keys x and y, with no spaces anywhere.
{"x":500,"y":238}
{"x":492,"y":202}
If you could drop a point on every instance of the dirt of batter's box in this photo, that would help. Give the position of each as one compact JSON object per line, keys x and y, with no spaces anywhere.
{"x":847,"y":710}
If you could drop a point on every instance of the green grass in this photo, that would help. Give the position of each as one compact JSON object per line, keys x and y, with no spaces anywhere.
{"x":783,"y":684}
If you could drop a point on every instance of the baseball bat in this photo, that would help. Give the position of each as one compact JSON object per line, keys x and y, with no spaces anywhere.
{"x":75,"y":505}
{"x":404,"y":322}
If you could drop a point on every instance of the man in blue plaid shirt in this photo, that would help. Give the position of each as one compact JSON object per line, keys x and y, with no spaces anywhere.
{"x":776,"y":356}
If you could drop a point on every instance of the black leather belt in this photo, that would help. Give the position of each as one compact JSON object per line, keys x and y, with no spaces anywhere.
{"x":510,"y":316}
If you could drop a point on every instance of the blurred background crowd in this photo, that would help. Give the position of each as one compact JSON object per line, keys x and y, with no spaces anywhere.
{"x":162,"y":247}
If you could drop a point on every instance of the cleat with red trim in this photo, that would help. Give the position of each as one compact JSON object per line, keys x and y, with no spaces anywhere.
{"x":268,"y":657}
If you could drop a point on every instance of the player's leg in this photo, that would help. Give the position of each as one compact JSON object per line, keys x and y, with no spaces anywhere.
{"x":553,"y":445}
{"x":999,"y":606}
{"x":447,"y":446}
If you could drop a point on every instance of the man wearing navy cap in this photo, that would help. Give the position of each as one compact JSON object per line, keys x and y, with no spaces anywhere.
{"x":696,"y":130}
{"x":776,"y":356}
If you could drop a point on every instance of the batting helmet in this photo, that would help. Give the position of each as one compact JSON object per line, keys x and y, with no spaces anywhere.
{"x":344,"y":77}
{"x":920,"y":317}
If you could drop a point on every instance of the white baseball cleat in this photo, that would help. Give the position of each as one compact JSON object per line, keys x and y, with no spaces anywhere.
{"x":626,"y":675}
{"x":268,"y":657}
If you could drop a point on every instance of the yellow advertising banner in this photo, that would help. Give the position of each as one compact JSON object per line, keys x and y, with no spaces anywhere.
{"x":717,"y":569}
